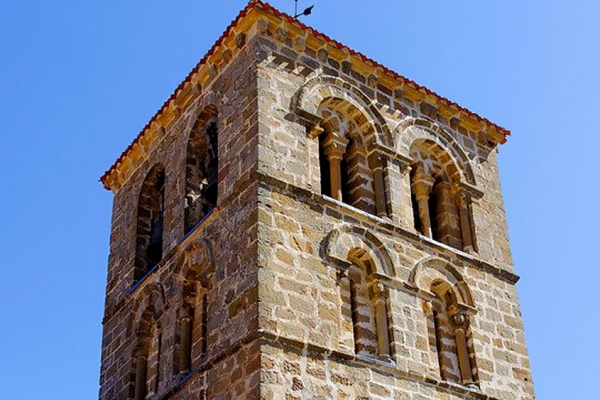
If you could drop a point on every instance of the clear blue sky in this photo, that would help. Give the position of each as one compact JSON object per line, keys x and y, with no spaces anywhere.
{"x":79,"y":79}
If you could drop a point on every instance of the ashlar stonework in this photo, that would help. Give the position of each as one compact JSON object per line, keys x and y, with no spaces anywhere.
{"x":300,"y":222}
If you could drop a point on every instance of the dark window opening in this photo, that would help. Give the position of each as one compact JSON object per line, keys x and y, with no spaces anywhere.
{"x":345,"y":180}
{"x":325,"y":168}
{"x":202,"y":173}
{"x":416,"y":216}
{"x":434,"y":213}
{"x":149,"y":242}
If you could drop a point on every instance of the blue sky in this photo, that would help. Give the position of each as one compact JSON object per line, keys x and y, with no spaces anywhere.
{"x":79,"y":79}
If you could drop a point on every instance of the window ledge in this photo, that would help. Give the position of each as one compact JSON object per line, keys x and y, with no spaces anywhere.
{"x":472,"y":388}
{"x":383,"y":220}
{"x":386,"y":224}
{"x":144,"y":278}
{"x":208,"y":217}
{"x":447,"y":247}
{"x":199,"y":223}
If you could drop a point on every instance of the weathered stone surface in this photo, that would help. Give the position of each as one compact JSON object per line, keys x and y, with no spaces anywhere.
{"x":292,"y":294}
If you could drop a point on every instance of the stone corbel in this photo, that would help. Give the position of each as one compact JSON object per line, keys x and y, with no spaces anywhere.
{"x":314,"y":130}
{"x":393,"y":156}
{"x":473,"y":191}
{"x":461,"y":309}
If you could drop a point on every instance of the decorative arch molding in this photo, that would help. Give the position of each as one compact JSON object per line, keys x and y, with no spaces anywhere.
{"x":412,"y":129}
{"x":204,"y":111}
{"x":151,"y":297}
{"x":317,"y":89}
{"x":432,"y":269}
{"x":352,"y":243}
{"x":198,"y":262}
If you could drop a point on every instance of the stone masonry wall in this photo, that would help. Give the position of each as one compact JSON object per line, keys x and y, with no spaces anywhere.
{"x":285,"y":141}
{"x":228,"y":259}
{"x":273,"y":257}
{"x":300,"y":301}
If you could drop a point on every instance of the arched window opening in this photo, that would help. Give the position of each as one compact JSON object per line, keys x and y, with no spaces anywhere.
{"x":147,"y":354}
{"x":364,"y":325}
{"x":441,"y":206}
{"x":185,"y":326}
{"x":149,"y":243}
{"x":450,"y":336}
{"x":202,"y":170}
{"x":347,"y":173}
{"x":191,"y":325}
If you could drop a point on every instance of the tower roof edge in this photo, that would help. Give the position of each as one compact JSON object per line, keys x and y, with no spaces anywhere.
{"x":111,"y":179}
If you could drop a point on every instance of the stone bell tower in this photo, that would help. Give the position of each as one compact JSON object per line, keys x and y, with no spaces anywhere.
{"x":300,"y":222}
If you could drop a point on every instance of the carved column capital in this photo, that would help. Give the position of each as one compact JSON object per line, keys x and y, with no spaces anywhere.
{"x":460,"y":320}
{"x":335,"y":146}
{"x":185,"y":312}
{"x":378,"y":289}
{"x":422,"y":183}
{"x":140,"y":350}
{"x":405,"y":168}
{"x":343,"y":273}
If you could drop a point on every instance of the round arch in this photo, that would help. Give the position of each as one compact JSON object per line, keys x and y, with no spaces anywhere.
{"x":431,"y":270}
{"x":316,"y":90}
{"x":349,"y":244}
{"x":412,"y":129}
{"x":151,"y":299}
{"x":198,"y":262}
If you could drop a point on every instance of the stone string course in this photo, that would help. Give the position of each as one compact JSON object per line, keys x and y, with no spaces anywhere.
{"x":274,"y":251}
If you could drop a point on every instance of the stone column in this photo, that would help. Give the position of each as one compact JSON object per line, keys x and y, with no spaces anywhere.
{"x":185,"y":324}
{"x":447,"y":219}
{"x":141,"y":370}
{"x":381,"y":321}
{"x":462,"y":202}
{"x":376,"y":163}
{"x":421,"y":187}
{"x":462,"y":347}
{"x":335,"y":147}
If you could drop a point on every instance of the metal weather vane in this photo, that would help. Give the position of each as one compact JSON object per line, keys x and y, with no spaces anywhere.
{"x":306,"y":11}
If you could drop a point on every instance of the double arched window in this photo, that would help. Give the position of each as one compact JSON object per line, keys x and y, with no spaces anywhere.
{"x":450,"y":335}
{"x":364,"y":308}
{"x":364,"y":326}
{"x":448,"y":309}
{"x":192,"y":319}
